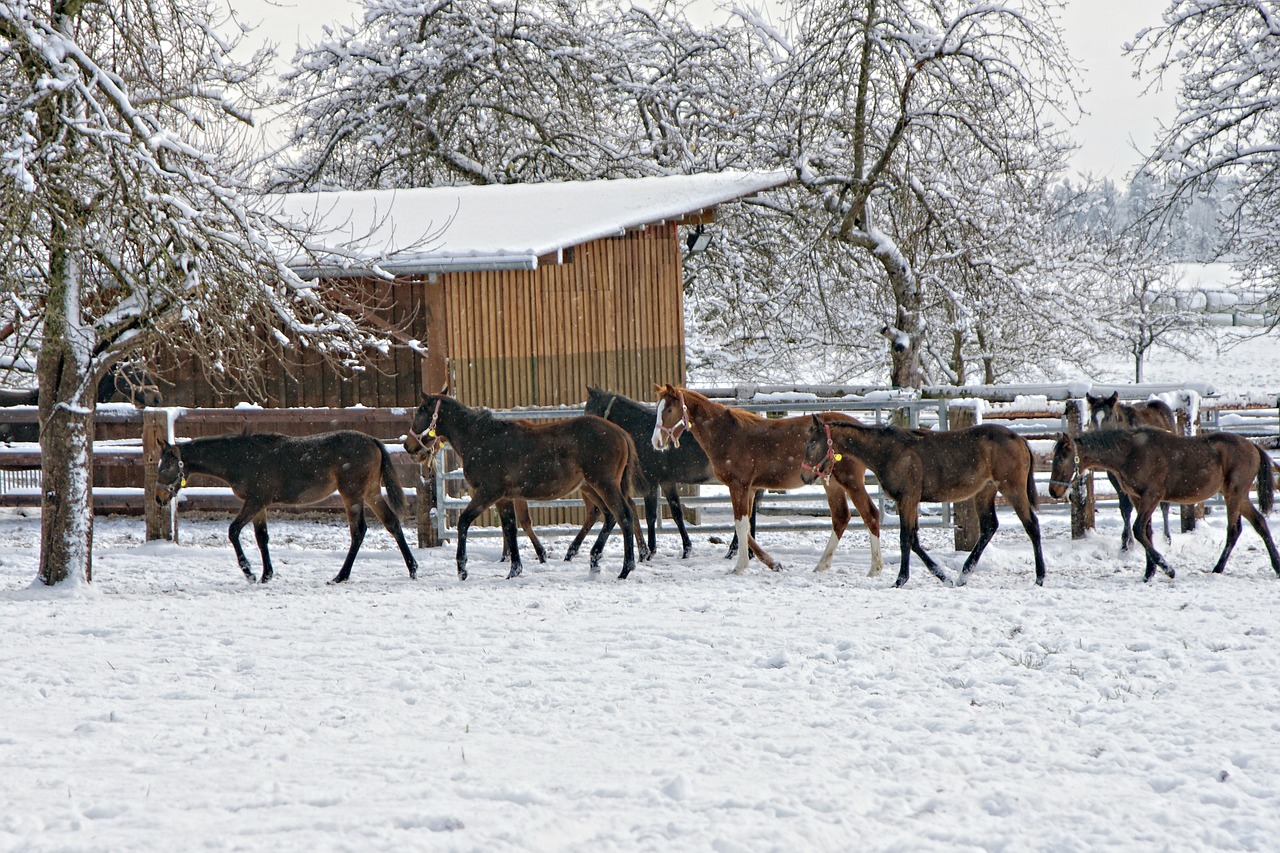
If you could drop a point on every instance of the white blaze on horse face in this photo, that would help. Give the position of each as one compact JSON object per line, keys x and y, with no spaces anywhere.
{"x":658,"y":441}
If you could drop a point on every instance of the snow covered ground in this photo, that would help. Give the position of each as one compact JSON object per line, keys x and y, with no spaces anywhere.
{"x":172,"y":706}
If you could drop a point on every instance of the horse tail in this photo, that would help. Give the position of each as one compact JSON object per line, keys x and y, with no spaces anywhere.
{"x":1266,"y":482}
{"x":391,"y":482}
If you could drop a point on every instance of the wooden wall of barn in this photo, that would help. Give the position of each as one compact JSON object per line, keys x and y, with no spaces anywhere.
{"x":610,"y":315}
{"x":298,"y":378}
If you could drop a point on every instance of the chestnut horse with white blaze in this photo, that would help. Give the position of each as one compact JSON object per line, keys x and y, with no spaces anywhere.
{"x":749,"y":452}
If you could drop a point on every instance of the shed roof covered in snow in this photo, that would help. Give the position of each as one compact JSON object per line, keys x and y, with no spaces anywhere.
{"x":510,"y":226}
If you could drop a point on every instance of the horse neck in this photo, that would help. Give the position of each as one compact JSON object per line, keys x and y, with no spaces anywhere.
{"x":464,"y":427}
{"x":869,"y":444}
{"x":1107,"y":449}
{"x":217,"y":456}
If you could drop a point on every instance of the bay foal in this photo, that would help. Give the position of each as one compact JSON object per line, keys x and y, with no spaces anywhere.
{"x":914,"y":465}
{"x":748,"y":452}
{"x":1154,"y":466}
{"x":267,"y":468}
{"x":506,"y":460}
{"x":1110,"y":413}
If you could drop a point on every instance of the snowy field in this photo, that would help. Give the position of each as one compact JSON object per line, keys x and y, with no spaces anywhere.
{"x":171,"y":706}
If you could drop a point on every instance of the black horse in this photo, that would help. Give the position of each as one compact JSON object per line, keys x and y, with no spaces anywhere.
{"x":268,"y":468}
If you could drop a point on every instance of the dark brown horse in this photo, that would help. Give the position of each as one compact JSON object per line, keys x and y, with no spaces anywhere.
{"x":1154,"y":466}
{"x":749,"y":452}
{"x":505,"y":460}
{"x":1110,"y":413}
{"x":267,"y":468}
{"x":918,"y":465}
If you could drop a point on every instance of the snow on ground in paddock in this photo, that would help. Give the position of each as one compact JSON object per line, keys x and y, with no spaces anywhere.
{"x":174,"y":706}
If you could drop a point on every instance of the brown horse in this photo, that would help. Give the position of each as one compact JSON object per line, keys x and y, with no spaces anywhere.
{"x":266,"y":468}
{"x":919,"y":465}
{"x":1110,"y":413}
{"x":505,"y":460}
{"x":749,"y":452}
{"x":1154,"y":466}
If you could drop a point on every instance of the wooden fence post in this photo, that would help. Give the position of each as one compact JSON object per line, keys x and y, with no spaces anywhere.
{"x":1188,"y":419}
{"x":964,"y":514}
{"x":162,"y":521}
{"x":1080,"y":494}
{"x":428,"y":532}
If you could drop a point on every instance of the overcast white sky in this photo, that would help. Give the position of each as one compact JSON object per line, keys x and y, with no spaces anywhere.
{"x":1120,"y":116}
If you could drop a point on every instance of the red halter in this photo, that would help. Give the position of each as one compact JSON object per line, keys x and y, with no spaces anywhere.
{"x":672,"y":434}
{"x":828,"y":462}
{"x":432,"y":448}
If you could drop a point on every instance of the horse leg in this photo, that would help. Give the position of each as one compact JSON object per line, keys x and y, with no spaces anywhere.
{"x":597,"y":550}
{"x":507,"y":515}
{"x":469,"y":514}
{"x":1142,"y":532}
{"x":741,"y":499}
{"x":1259,"y":523}
{"x":247,"y":511}
{"x":677,"y":515}
{"x":358,"y":526}
{"x":839,"y":521}
{"x":590,"y":512}
{"x":985,"y":503}
{"x":1233,"y":534}
{"x":391,"y":521}
{"x":733,"y":545}
{"x":260,"y":533}
{"x":1021,"y":503}
{"x":871,"y":518}
{"x":526,"y":524}
{"x":618,"y":505}
{"x":1126,"y":510}
{"x":909,"y":518}
{"x":651,"y":520}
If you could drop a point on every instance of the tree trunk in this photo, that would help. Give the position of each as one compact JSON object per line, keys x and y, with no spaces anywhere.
{"x":905,"y":370}
{"x":66,"y":429}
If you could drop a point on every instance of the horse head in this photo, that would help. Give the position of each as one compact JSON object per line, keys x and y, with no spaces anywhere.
{"x":820,"y":456}
{"x":423,"y":440}
{"x":672,"y":418}
{"x":171,"y":475}
{"x":1103,"y":411}
{"x":1066,"y":466}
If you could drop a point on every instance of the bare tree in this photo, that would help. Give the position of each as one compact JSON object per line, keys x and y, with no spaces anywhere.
{"x":128,"y":223}
{"x":1225,"y":57}
{"x":894,"y":98}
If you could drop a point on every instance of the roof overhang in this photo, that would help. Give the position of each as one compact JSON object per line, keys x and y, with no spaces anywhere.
{"x":500,"y":227}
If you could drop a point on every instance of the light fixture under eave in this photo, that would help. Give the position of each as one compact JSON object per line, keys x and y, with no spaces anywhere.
{"x":698,"y":241}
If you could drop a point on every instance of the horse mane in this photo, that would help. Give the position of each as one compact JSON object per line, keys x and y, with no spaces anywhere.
{"x":1108,"y":439}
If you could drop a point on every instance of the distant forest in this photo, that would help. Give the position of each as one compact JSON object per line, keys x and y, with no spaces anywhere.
{"x":1193,"y":235}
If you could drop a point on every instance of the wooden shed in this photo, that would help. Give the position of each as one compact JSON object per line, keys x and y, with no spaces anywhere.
{"x":515,"y":295}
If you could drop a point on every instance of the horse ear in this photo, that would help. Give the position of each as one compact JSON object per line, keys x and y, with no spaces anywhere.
{"x":817,"y":421}
{"x":444,"y":389}
{"x":1113,"y":399}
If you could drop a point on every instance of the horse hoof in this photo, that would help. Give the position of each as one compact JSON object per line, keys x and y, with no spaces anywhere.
{"x":960,"y":581}
{"x":462,"y":574}
{"x":776,"y":567}
{"x":413,"y":574}
{"x":514,"y":573}
{"x":1039,"y":581}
